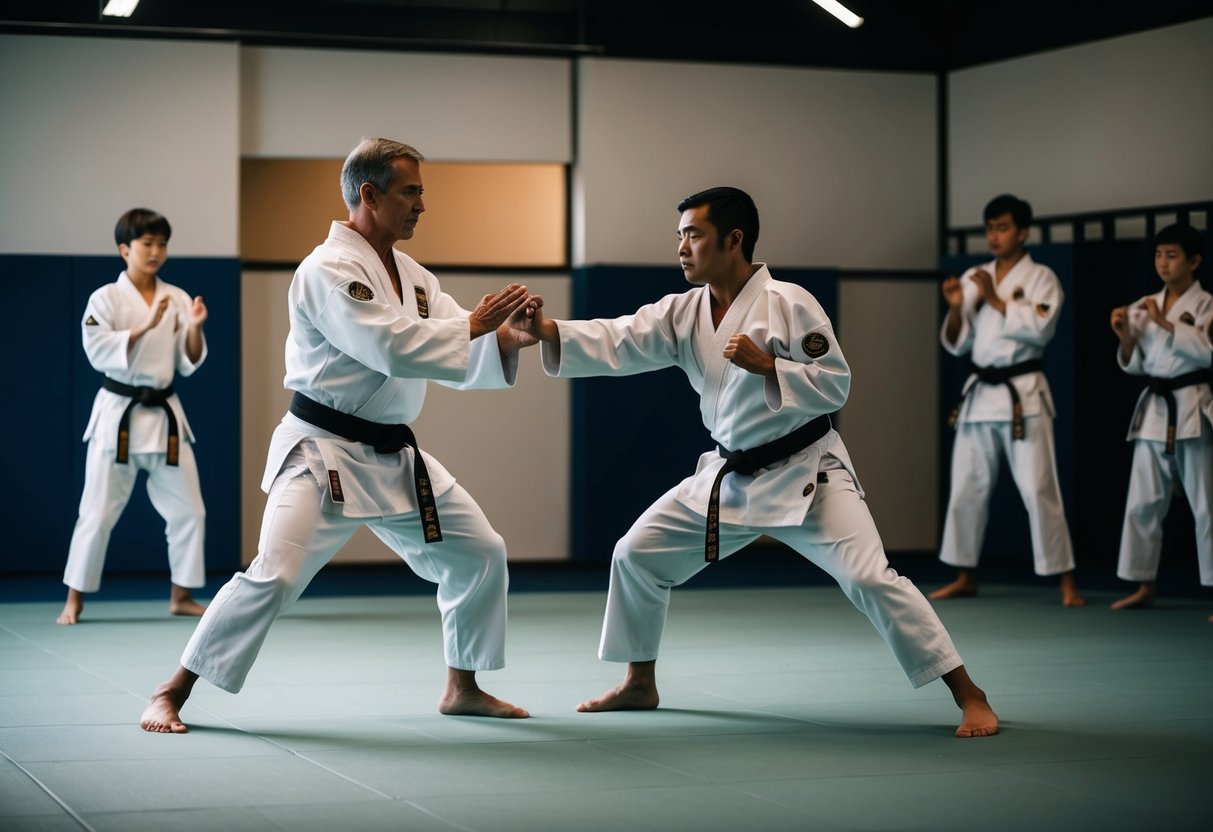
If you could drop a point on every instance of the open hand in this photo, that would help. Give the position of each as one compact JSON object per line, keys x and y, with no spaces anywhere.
{"x":953,"y":293}
{"x":494,"y":310}
{"x":198,"y":312}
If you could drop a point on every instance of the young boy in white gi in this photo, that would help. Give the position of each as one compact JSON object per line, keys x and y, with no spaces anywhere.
{"x":763,"y":357}
{"x":139,"y":331}
{"x":1167,"y":337}
{"x":1003,"y":313}
{"x":368,"y":327}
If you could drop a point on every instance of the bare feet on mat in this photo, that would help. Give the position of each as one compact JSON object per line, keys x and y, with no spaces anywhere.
{"x":963,"y":587}
{"x":463,"y":697}
{"x":637,"y":693}
{"x":72,"y":608}
{"x":1143,"y":597}
{"x":629,"y":696}
{"x":163,"y":713}
{"x":181,"y":602}
{"x":977,"y":717}
{"x":1069,"y":592}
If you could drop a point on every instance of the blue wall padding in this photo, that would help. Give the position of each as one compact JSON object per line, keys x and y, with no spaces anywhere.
{"x":44,"y":457}
{"x":635,"y":437}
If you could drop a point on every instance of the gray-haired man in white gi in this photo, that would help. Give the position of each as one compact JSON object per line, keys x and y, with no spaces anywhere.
{"x":369,"y":326}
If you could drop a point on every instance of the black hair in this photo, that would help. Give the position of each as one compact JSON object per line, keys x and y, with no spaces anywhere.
{"x":728,"y":209}
{"x":1184,"y":236}
{"x":1020,"y":210}
{"x":139,"y":221}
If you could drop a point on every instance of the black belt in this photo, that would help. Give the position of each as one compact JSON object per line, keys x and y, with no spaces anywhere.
{"x":1166,"y":388}
{"x":1003,"y":376}
{"x":385,"y":439}
{"x":747,"y":462}
{"x":151,"y":397}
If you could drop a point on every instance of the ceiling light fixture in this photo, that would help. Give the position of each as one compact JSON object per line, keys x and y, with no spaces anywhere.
{"x":841,"y":12}
{"x":119,"y":8}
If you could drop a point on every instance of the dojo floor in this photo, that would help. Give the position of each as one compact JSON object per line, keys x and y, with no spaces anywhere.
{"x":781,"y":710}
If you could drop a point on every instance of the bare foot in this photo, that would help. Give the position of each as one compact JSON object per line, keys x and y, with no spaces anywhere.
{"x":163,"y":713}
{"x":72,"y":608}
{"x":1069,"y":592}
{"x":629,"y":696}
{"x":1143,"y":597}
{"x":977,"y":717}
{"x":463,"y":697}
{"x":963,"y":587}
{"x":181,"y":602}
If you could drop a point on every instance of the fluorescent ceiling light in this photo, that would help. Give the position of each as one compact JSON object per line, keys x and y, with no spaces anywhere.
{"x":841,"y":12}
{"x":119,"y":8}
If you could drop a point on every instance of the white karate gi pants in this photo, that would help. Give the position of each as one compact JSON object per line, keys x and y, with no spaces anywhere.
{"x":976,"y":457}
{"x":297,"y":539}
{"x":1150,"y":486}
{"x":665,"y":547}
{"x":175,"y":494}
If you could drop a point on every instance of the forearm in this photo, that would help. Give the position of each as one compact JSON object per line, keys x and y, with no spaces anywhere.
{"x":193,"y":344}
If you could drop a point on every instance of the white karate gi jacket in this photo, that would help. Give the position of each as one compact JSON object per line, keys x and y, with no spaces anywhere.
{"x":1033,"y":297}
{"x":112,"y":312}
{"x":355,"y":347}
{"x":741,"y":409}
{"x":1165,"y":355}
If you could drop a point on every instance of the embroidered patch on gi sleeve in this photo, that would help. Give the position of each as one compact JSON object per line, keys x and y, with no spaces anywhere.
{"x":1042,"y":309}
{"x":91,"y":321}
{"x":1017,"y":294}
{"x":815,"y":345}
{"x":360,"y":291}
{"x":1186,"y":318}
{"x":423,"y":302}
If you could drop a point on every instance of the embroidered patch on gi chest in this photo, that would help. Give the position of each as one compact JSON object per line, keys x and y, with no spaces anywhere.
{"x":91,"y":321}
{"x":360,"y":291}
{"x":423,"y":302}
{"x":1186,"y":318}
{"x":1017,"y":294}
{"x":1042,"y":309}
{"x":815,"y":345}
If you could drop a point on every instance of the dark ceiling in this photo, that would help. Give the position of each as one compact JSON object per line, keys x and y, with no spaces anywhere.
{"x":914,"y":35}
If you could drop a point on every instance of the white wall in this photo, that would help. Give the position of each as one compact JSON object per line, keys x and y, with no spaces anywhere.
{"x":1120,"y":123}
{"x":308,"y":103}
{"x":90,"y":127}
{"x":842,"y":164}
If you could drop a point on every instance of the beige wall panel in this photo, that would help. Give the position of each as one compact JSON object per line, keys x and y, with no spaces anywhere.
{"x":889,"y":331}
{"x":495,"y":215}
{"x":508,"y":448}
{"x":842,"y":164}
{"x":91,"y":127}
{"x":318,"y":103}
{"x":1119,"y":123}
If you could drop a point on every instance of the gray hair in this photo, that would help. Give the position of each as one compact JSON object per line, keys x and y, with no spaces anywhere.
{"x":373,"y":161}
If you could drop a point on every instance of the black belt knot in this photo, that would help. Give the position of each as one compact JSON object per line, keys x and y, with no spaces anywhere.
{"x":1003,"y":376}
{"x":1166,"y":388}
{"x":746,"y":462}
{"x":147,"y":397}
{"x":385,"y":439}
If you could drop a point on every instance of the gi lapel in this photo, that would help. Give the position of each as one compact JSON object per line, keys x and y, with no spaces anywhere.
{"x":711,"y":343}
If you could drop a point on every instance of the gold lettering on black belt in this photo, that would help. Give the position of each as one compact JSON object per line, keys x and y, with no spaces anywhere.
{"x":423,"y":302}
{"x":1003,"y":376}
{"x":1166,"y":387}
{"x":335,"y":487}
{"x":385,"y":439}
{"x":149,"y":397}
{"x":748,"y":462}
